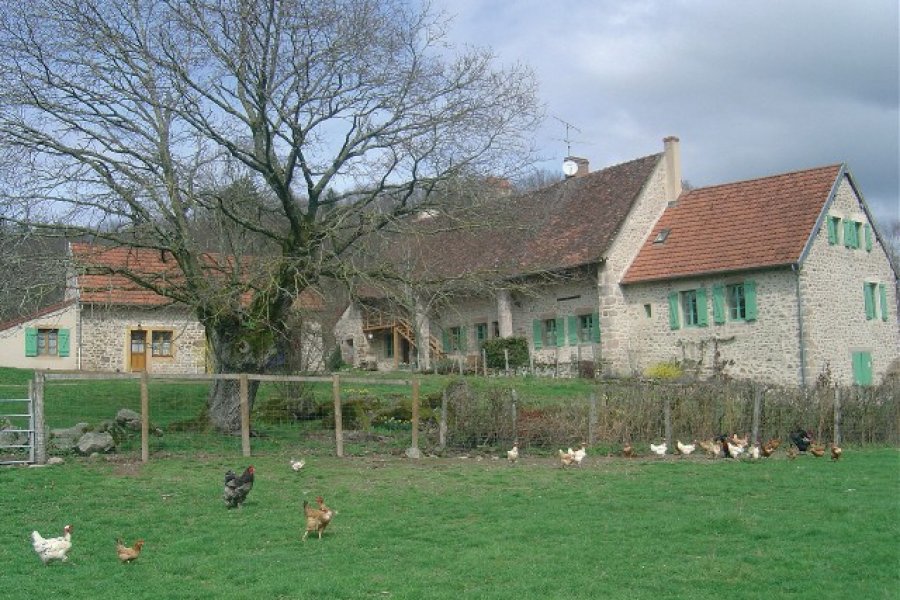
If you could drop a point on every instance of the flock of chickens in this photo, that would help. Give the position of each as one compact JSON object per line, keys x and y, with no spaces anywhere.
{"x":721,"y":446}
{"x":237,"y":488}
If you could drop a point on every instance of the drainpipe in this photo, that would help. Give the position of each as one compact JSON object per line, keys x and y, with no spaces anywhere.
{"x":796,"y":269}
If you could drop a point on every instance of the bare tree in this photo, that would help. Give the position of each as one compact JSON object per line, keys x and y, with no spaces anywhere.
{"x":126,"y":113}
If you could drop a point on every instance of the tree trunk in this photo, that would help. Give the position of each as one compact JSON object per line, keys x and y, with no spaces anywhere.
{"x":234,"y":350}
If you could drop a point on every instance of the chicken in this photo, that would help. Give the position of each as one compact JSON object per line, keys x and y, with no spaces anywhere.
{"x":742,"y":442}
{"x":754,"y":452}
{"x":237,"y":488}
{"x":566,"y":458}
{"x":297,"y":464}
{"x":836,"y":452}
{"x":710,"y":447}
{"x":801,"y":439}
{"x":513,"y":455}
{"x":769,"y":448}
{"x":317,"y":519}
{"x":734,"y":450}
{"x":126,"y":554}
{"x":818,"y":450}
{"x":685,"y":449}
{"x":49,"y":549}
{"x":628,"y":450}
{"x":659,"y":450}
{"x":792,"y":453}
{"x":579,"y":454}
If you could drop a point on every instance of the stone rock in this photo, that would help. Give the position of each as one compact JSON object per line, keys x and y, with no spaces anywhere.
{"x":95,"y":442}
{"x":11,"y":438}
{"x":67,"y":439}
{"x":413,"y":452}
{"x":56,"y":460}
{"x":128,"y":418}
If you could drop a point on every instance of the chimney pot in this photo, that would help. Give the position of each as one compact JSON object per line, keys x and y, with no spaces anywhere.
{"x":672,"y":159}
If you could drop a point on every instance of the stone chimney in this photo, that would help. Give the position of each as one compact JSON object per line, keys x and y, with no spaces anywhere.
{"x":582,"y":165}
{"x":672,"y":155}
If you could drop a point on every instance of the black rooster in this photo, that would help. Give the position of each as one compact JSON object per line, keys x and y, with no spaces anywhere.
{"x":801,"y":439}
{"x":237,"y":488}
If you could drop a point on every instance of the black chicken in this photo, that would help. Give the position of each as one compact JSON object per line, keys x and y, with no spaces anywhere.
{"x":237,"y":488}
{"x":801,"y":439}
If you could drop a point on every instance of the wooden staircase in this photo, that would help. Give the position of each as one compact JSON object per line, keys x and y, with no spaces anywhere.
{"x":405,"y":329}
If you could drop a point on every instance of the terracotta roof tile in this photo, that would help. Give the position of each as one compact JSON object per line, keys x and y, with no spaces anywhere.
{"x":737,"y":226}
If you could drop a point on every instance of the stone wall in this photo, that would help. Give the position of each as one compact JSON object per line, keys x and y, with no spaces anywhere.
{"x":106,"y":335}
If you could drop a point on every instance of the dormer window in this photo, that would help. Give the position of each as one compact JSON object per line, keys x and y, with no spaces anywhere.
{"x":661,"y":236}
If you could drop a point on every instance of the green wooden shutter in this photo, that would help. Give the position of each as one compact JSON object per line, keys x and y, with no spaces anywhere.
{"x":750,"y":299}
{"x":832,"y":226}
{"x":862,"y":368}
{"x":573,"y":330}
{"x":867,"y":229}
{"x":702,"y":316}
{"x":595,"y":328}
{"x":882,"y":292}
{"x":718,"y":304}
{"x":445,"y":341}
{"x":63,"y":342}
{"x":673,"y":310}
{"x":848,"y":234}
{"x":31,"y":341}
{"x":537,"y":331}
{"x":869,"y":300}
{"x":560,"y":332}
{"x":463,"y":339}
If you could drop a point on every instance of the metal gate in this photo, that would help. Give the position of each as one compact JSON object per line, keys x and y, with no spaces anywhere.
{"x":17,"y":440}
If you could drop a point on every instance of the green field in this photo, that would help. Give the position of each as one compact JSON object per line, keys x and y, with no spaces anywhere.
{"x":463,"y":528}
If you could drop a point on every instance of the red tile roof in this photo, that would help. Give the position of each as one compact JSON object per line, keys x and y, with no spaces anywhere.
{"x":102,"y":279}
{"x":752,"y":224}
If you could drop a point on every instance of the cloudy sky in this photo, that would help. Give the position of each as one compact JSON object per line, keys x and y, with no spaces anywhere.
{"x":751,"y":88}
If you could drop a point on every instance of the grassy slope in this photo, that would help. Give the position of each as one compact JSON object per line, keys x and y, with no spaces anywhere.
{"x":452,"y":528}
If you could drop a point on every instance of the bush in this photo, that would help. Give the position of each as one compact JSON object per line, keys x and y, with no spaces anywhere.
{"x":517,"y":348}
{"x":664,"y":370}
{"x":335,"y":361}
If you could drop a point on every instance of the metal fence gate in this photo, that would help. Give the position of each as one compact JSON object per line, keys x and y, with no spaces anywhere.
{"x":17,"y":439}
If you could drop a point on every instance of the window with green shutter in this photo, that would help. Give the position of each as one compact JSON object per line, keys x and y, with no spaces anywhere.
{"x":673,"y":311}
{"x":445,"y":341}
{"x":548,"y":332}
{"x":737,"y":302}
{"x":867,"y":229}
{"x":573,"y":330}
{"x":559,"y":333}
{"x":882,"y":292}
{"x":689,"y":308}
{"x":702,"y":311}
{"x":481,"y":333}
{"x":869,"y":300}
{"x":64,"y":342}
{"x":862,"y":368}
{"x":833,"y":224}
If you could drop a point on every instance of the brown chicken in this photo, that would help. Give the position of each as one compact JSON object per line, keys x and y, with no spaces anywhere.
{"x":126,"y":554}
{"x":769,"y":447}
{"x":743,"y":442}
{"x":317,"y":519}
{"x":817,"y":450}
{"x":836,"y":452}
{"x":566,"y":459}
{"x":774,"y":443}
{"x":628,"y":451}
{"x":710,"y":447}
{"x":792,"y":453}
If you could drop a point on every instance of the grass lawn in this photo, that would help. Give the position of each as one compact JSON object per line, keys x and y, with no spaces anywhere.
{"x":460,"y":528}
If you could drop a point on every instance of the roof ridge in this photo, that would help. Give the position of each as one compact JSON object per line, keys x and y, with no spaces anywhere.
{"x":765,"y":177}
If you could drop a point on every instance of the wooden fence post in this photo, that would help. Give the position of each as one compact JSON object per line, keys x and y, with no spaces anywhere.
{"x":415,"y":414}
{"x":40,"y":433}
{"x":592,"y":417}
{"x":338,"y":419}
{"x":245,"y":414}
{"x":667,"y":414}
{"x":484,"y":361}
{"x":442,"y":429}
{"x":757,"y":408}
{"x":515,"y":415}
{"x":145,"y":419}
{"x":837,"y":416}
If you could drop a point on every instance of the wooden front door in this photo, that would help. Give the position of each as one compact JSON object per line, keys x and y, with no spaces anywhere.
{"x":138,"y":350}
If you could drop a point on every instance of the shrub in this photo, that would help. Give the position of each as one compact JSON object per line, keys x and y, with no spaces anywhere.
{"x":664,"y":370}
{"x":335,"y":361}
{"x":517,"y":348}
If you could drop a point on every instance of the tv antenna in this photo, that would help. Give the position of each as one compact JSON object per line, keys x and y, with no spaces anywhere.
{"x":568,"y":139}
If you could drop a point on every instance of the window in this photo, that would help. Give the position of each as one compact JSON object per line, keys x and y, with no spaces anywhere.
{"x":737,"y":302}
{"x":875,"y":300}
{"x":481,"y":333}
{"x":547,"y":332}
{"x":852,"y":231}
{"x":648,"y":311}
{"x":661,"y":236}
{"x":454,"y":339}
{"x":862,"y":368}
{"x":389,"y":346}
{"x":588,"y":328}
{"x":690,"y":308}
{"x":161,"y":343}
{"x":495,"y":329}
{"x":691,"y":304}
{"x":869,"y":299}
{"x":46,"y":342}
{"x":548,"y":336}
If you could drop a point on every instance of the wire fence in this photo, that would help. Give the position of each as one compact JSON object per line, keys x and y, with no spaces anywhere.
{"x":142,"y":415}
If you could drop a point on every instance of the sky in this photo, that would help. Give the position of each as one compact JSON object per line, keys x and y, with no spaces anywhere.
{"x":750,"y":88}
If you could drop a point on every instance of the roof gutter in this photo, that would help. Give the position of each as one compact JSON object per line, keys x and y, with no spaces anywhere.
{"x":795,"y":267}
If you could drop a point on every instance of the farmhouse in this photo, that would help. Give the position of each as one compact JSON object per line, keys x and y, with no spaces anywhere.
{"x":783,"y":279}
{"x":109,"y":323}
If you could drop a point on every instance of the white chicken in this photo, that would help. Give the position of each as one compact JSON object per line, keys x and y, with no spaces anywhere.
{"x":735,"y":450}
{"x":579,"y":454}
{"x":297,"y":464}
{"x":754,"y":452}
{"x":49,"y":549}
{"x":659,"y":450}
{"x":685,"y":449}
{"x":513,"y":455}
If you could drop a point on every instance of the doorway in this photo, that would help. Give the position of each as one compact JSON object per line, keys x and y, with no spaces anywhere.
{"x":138,"y":350}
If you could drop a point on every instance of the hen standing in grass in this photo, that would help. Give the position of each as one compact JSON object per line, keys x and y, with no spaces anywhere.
{"x":49,"y":549}
{"x":317,"y":519}
{"x":237,"y":488}
{"x":126,"y":554}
